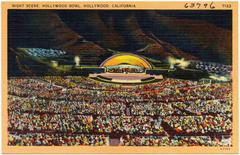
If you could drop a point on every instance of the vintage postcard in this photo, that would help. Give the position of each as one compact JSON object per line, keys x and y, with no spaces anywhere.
{"x":119,"y":77}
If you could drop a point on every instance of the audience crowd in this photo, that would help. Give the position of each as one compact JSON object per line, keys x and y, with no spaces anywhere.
{"x":57,"y":139}
{"x":80,"y":111}
{"x":200,"y":124}
{"x":212,"y":67}
{"x":41,"y":52}
{"x":129,"y":140}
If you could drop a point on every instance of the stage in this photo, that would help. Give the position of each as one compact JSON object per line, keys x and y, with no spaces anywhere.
{"x":126,"y":78}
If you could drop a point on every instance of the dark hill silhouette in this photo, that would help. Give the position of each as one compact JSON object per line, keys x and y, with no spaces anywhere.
{"x":205,"y":36}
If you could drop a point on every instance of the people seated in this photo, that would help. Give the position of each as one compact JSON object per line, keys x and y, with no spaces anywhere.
{"x":209,"y":67}
{"x":41,"y":52}
{"x":73,"y":110}
{"x":124,"y":68}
